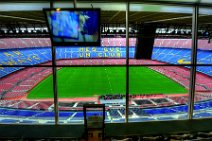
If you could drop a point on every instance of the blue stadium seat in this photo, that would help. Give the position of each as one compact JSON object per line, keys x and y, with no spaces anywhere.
{"x":114,"y":113}
{"x":9,"y":121}
{"x":122,"y":110}
{"x":138,"y":111}
{"x":18,"y":112}
{"x":141,"y":119}
{"x":165,"y":118}
{"x":37,"y":55}
{"x":32,"y":56}
{"x":29,"y":121}
{"x":173,"y":55}
{"x":165,"y":110}
{"x":202,"y":115}
{"x":79,"y":114}
{"x":45,"y":114}
{"x":52,"y":114}
{"x":203,"y":105}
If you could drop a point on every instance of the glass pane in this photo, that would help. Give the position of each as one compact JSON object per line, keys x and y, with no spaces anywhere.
{"x":203,"y":93}
{"x":25,"y":95}
{"x":25,"y":51}
{"x":88,"y":85}
{"x":203,"y":85}
{"x":94,"y":75}
{"x":204,"y":52}
{"x":172,"y":44}
{"x":158,"y":93}
{"x":172,"y":51}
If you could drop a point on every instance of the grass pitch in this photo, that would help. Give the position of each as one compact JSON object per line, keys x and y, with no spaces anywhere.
{"x":91,"y":81}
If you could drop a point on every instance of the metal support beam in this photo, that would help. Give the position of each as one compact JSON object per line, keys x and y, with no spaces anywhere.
{"x":51,"y":4}
{"x":117,"y":13}
{"x":21,"y":18}
{"x":54,"y":71}
{"x":75,"y":3}
{"x":193,"y":61}
{"x":127,"y":61}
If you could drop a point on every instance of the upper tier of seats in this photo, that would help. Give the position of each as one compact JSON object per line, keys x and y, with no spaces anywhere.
{"x":33,"y":56}
{"x":9,"y":43}
{"x":31,"y":51}
{"x":203,"y":44}
{"x":183,"y":57}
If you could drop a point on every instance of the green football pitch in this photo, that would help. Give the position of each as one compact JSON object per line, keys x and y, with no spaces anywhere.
{"x":91,"y":81}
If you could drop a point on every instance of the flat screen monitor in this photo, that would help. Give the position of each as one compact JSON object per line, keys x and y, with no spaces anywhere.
{"x":74,"y":27}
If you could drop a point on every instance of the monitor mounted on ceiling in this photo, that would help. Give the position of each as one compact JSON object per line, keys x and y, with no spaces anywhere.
{"x":74,"y":27}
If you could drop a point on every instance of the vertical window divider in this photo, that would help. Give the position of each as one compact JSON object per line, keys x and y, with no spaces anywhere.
{"x":193,"y":61}
{"x":127,"y":62}
{"x":54,"y":71}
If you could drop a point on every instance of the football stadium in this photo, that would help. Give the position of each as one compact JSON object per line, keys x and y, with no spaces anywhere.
{"x":94,"y":79}
{"x":146,"y":62}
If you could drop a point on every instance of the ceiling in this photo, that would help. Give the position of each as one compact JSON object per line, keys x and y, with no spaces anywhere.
{"x":108,"y":17}
{"x":177,"y":1}
{"x":31,"y":12}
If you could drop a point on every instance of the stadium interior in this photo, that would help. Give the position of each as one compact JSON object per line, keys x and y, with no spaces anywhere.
{"x":152,"y":70}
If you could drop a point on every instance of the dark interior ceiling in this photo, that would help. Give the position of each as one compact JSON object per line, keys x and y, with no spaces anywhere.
{"x":165,"y":1}
{"x":110,"y":16}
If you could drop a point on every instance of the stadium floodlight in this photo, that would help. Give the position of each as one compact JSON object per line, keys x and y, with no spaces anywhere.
{"x":103,"y":31}
{"x":16,"y":31}
{"x":10,"y":31}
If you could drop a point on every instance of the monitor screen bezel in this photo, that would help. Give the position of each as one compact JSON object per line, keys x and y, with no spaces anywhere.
{"x":63,"y":43}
